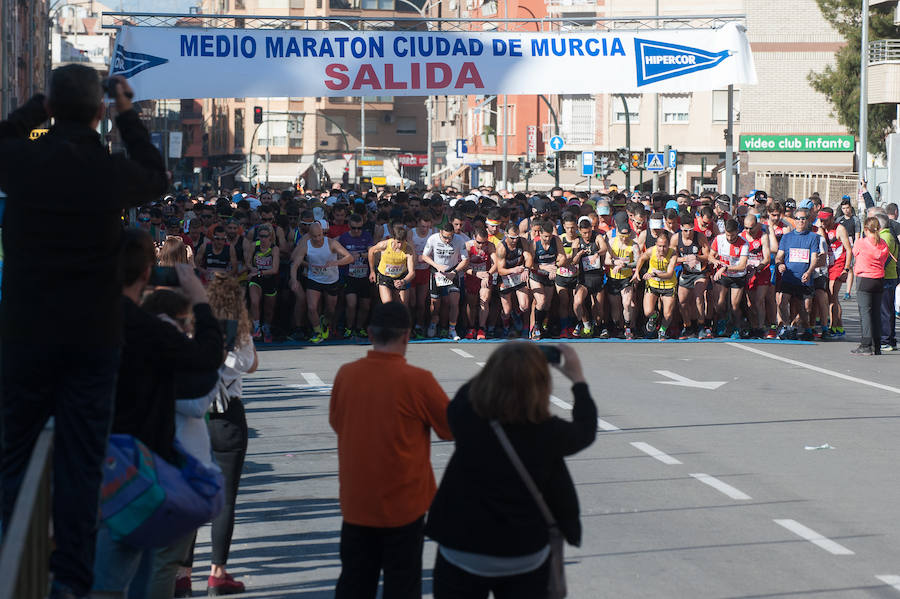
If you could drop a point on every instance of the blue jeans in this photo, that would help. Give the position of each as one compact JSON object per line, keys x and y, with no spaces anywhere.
{"x":76,"y":385}
{"x":888,"y":319}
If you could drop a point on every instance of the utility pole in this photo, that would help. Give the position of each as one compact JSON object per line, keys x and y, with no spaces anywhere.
{"x":505,"y":114}
{"x":429,"y":111}
{"x":729,"y":145}
{"x":655,"y":186}
{"x":627,"y":140}
{"x":362,"y":137}
{"x":6,"y":40}
{"x":268,"y":144}
{"x":864,"y":93}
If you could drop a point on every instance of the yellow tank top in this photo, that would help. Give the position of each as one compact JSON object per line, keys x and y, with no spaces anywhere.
{"x":496,"y":239}
{"x":393,"y":262}
{"x":625,"y":253}
{"x":661,"y":263}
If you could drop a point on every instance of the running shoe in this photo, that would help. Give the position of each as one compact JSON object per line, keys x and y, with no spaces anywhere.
{"x":319,"y":337}
{"x":507,"y":333}
{"x":567,"y":333}
{"x":223,"y":586}
{"x":706,"y":334}
{"x":453,"y":334}
{"x":480,"y":335}
{"x":578,"y":329}
{"x":418,"y":334}
{"x":687,"y":333}
{"x":491,"y":333}
{"x":771,"y":333}
{"x":362,"y":334}
{"x":847,"y":295}
{"x":736,"y":335}
{"x":432,"y":331}
{"x":444,"y":334}
{"x":535,"y":333}
{"x":662,"y":336}
{"x":807,"y":335}
{"x":817,"y":332}
{"x":783,"y":333}
{"x":257,"y":332}
{"x":838,"y":331}
{"x":721,"y":327}
{"x":298,"y":335}
{"x":628,"y":334}
{"x":862,"y":350}
{"x":652,"y":323}
{"x":826,"y":335}
{"x":604,"y":334}
{"x":587,"y":331}
{"x":348,"y":333}
{"x":887,"y":347}
{"x":471,"y":334}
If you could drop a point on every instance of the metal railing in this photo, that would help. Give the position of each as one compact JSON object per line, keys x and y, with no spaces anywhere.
{"x":113,"y":20}
{"x":830,"y":186}
{"x":881,"y":51}
{"x":25,"y":553}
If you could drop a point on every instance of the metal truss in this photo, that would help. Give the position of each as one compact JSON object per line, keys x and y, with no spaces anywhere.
{"x":343,"y":20}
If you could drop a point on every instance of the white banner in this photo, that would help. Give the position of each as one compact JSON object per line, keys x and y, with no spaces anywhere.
{"x":175,"y":140}
{"x":181,"y":62}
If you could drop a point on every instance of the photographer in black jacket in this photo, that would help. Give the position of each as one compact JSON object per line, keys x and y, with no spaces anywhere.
{"x":60,"y":317}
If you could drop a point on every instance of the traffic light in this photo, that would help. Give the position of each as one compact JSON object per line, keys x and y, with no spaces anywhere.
{"x":520,"y":165}
{"x":622,"y":155}
{"x":636,"y":161}
{"x":550,"y":164}
{"x":254,"y":171}
{"x":257,"y":115}
{"x":604,"y":169}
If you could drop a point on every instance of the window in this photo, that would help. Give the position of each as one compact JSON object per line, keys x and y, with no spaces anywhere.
{"x":378,"y":4}
{"x":406,"y":125}
{"x":334,"y":124}
{"x":511,"y":115}
{"x":720,"y":106}
{"x":371,"y":125}
{"x":295,"y":131}
{"x":578,"y":116}
{"x":675,"y":108}
{"x":634,"y":108}
{"x":238,"y":128}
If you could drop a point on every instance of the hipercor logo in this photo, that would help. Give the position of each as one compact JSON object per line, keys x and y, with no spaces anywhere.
{"x":657,"y":61}
{"x":128,"y":64}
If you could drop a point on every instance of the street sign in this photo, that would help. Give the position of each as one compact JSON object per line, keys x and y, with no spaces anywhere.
{"x":557,"y":143}
{"x":412,"y":159}
{"x":587,"y":163}
{"x":347,"y":157}
{"x":461,"y":148}
{"x":673,"y":158}
{"x":532,"y":143}
{"x":654,"y":162}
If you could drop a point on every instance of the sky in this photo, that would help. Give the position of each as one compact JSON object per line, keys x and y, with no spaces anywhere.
{"x":178,"y":6}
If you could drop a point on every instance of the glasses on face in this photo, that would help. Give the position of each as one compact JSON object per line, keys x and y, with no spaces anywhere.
{"x":218,"y":238}
{"x":267,"y":220}
{"x":263,"y":235}
{"x":801,"y":218}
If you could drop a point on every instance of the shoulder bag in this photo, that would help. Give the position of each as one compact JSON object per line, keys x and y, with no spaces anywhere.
{"x":556,"y":584}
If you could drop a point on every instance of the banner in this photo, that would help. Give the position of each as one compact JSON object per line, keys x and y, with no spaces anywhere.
{"x":182,"y":62}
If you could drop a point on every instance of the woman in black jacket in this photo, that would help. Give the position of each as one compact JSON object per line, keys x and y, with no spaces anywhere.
{"x":491,"y":533}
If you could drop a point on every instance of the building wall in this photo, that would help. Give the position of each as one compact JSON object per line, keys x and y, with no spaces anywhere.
{"x":24,"y":25}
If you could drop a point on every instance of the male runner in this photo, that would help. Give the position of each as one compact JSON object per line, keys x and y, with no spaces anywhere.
{"x":357,"y":288}
{"x":445,"y":252}
{"x":729,"y":254}
{"x":797,"y":257}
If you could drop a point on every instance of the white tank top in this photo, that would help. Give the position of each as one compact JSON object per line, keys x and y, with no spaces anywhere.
{"x":317,"y":258}
{"x":419,"y":245}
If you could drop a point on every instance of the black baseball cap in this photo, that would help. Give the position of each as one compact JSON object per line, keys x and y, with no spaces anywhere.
{"x":539,"y":204}
{"x":789,"y":203}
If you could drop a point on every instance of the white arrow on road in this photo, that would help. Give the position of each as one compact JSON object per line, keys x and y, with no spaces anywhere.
{"x":683,"y":381}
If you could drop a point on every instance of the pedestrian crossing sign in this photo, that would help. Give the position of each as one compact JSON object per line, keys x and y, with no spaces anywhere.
{"x":655,"y":162}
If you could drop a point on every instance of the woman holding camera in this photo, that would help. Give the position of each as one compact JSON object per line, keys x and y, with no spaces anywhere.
{"x":492,"y":534}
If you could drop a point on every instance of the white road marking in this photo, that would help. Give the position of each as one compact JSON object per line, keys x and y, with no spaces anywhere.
{"x":480,"y":363}
{"x":312,"y":379}
{"x":890,"y":580}
{"x":462,"y":353}
{"x":818,"y":369}
{"x":721,"y":486}
{"x":601,"y":423}
{"x":813,"y":537}
{"x":683,"y":381}
{"x":655,"y":453}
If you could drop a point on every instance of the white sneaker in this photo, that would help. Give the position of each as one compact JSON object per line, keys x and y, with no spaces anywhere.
{"x":453,"y":334}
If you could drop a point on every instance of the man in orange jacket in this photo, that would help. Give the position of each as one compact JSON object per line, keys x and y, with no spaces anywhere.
{"x":383,"y":410}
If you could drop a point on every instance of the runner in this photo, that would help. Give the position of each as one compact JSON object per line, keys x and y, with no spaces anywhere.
{"x":262,"y":267}
{"x":567,"y":273}
{"x":729,"y":255}
{"x":324,"y":256}
{"x":357,"y":288}
{"x":479,"y":273}
{"x":396,"y":266}
{"x":660,"y":282}
{"x":797,"y":256}
{"x":419,"y":297}
{"x":851,"y":223}
{"x":591,"y":280}
{"x":693,"y":256}
{"x":621,"y":259}
{"x":541,"y":279}
{"x":514,"y":260}
{"x":215,"y":255}
{"x":759,"y":259}
{"x":445,"y":252}
{"x":840,"y":252}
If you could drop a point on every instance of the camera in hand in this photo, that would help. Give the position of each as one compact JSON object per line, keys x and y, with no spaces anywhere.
{"x":110,"y":84}
{"x":552,"y":353}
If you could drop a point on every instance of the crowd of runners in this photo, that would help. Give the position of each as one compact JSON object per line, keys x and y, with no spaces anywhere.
{"x":497,"y":265}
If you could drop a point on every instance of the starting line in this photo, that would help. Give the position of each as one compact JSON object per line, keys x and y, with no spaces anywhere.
{"x":338,"y":342}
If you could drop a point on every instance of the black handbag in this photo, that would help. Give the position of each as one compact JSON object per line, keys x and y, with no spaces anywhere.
{"x":556,"y":584}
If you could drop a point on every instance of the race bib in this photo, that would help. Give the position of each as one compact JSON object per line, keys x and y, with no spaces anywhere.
{"x":317,"y":271}
{"x":754,"y":261}
{"x":720,"y":225}
{"x":838,"y":251}
{"x":509,"y":281}
{"x":591,"y":262}
{"x":358,"y":271}
{"x":565,"y":271}
{"x":479,"y":267}
{"x":800,"y":255}
{"x":394,"y":270}
{"x":442,"y":280}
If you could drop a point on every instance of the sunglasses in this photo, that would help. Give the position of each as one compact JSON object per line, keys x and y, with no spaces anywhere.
{"x":144,"y":220}
{"x":306,"y":224}
{"x":801,"y":218}
{"x":217,"y":238}
{"x":265,"y":220}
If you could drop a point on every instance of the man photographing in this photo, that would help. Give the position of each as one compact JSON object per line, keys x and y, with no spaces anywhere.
{"x":61,"y":315}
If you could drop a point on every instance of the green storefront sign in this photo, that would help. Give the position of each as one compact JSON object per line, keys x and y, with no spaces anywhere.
{"x":797,"y":143}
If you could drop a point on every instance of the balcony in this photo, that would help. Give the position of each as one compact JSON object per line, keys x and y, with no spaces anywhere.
{"x":884,"y":72}
{"x":572,"y":8}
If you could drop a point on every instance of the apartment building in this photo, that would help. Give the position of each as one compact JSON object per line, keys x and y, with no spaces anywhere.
{"x":25,"y":51}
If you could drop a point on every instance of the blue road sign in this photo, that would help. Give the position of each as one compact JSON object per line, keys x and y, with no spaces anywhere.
{"x":462,"y":148}
{"x":587,"y":164}
{"x":673,"y":158}
{"x":556,"y":143}
{"x":654,"y":162}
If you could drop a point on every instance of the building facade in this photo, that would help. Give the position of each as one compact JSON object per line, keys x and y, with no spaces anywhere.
{"x":25,"y":51}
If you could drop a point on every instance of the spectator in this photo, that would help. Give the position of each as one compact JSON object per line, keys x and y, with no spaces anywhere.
{"x":228,"y":433}
{"x":491,"y":532}
{"x":145,"y":407}
{"x":80,"y":345}
{"x":174,"y":251}
{"x":888,"y":322}
{"x":871,"y":253}
{"x":382,"y":410}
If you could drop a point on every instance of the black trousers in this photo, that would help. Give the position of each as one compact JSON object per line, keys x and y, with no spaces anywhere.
{"x":868,"y":297}
{"x":367,"y":551}
{"x":228,"y":437}
{"x":75,"y":385}
{"x":451,"y":582}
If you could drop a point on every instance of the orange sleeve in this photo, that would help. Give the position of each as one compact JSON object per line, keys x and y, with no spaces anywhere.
{"x":434,"y":406}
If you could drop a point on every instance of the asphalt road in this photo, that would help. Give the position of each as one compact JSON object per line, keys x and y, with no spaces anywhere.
{"x":691,"y":490}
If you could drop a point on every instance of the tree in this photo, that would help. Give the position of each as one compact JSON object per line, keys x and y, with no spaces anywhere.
{"x":840,"y":82}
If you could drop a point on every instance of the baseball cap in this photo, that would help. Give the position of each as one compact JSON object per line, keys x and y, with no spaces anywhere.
{"x":789,"y":203}
{"x":846,"y":200}
{"x":574,"y":202}
{"x":805,"y":204}
{"x":539,"y":204}
{"x":672,"y":205}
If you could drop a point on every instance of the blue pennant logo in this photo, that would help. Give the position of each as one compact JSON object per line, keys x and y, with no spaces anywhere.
{"x":128,"y":64}
{"x":657,"y":61}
